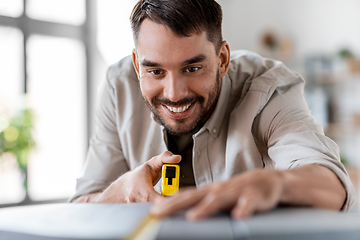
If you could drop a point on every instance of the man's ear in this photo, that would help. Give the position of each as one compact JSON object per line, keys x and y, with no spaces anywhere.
{"x":224,"y":58}
{"x":135,"y":62}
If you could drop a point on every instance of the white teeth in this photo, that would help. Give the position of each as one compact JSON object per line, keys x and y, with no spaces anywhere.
{"x":179,"y":109}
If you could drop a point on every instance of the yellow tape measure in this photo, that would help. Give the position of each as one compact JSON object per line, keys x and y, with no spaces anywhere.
{"x":149,"y":227}
{"x":170,"y":178}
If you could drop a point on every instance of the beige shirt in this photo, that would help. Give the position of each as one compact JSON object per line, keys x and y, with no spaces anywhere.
{"x":261,"y":120}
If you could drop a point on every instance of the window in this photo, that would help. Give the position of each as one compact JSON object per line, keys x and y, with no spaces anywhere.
{"x":45,"y":53}
{"x":11,"y":60}
{"x":56,"y":89}
{"x":113,"y":26}
{"x":11,"y":90}
{"x":54,"y":11}
{"x":13,"y":8}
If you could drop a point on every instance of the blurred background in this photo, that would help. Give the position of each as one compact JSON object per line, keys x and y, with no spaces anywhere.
{"x":54,"y":55}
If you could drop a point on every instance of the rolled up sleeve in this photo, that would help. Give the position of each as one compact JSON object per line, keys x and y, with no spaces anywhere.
{"x":294,"y":139}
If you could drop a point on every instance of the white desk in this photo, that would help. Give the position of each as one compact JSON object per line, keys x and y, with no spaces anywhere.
{"x":116,"y":221}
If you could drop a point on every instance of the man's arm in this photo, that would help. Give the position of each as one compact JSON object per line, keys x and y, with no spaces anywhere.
{"x":257,"y":191}
{"x":294,"y":140}
{"x":313,"y":185}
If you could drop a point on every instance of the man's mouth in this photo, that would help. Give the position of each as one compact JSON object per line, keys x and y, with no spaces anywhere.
{"x":179,"y":112}
{"x":180,"y":109}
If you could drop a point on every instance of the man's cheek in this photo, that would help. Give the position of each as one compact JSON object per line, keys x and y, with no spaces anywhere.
{"x":145,"y":91}
{"x":149,"y":89}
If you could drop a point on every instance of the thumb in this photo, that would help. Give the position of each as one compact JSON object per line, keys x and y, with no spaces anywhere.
{"x":156,"y":162}
{"x":154,"y":196}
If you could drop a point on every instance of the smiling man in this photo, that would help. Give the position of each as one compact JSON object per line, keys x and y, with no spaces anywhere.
{"x":180,"y":88}
{"x":236,"y":123}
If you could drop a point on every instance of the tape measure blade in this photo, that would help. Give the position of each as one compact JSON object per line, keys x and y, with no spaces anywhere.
{"x":148,"y":229}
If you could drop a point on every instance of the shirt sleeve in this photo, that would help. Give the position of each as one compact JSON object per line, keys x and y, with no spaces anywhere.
{"x":293,"y":138}
{"x":105,"y":160}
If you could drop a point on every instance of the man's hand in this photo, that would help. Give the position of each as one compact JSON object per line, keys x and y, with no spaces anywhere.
{"x":246,"y":193}
{"x":136,"y":185}
{"x":258,"y":191}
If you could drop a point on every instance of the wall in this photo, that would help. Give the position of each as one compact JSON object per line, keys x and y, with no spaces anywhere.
{"x":313,"y":25}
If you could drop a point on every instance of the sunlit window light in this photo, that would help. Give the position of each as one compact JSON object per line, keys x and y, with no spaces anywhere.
{"x":11,"y":91}
{"x":13,"y":8}
{"x":57,"y":90}
{"x":61,"y":11}
{"x":114,"y":36}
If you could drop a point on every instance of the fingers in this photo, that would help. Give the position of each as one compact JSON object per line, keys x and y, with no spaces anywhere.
{"x":245,"y":206}
{"x":206,"y":202}
{"x":91,"y":197}
{"x":213,"y":202}
{"x":82,"y":199}
{"x":152,"y":168}
{"x":167,"y":206}
{"x":156,"y":162}
{"x":207,"y":207}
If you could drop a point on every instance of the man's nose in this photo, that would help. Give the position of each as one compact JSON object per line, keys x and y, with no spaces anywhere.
{"x":175,"y":87}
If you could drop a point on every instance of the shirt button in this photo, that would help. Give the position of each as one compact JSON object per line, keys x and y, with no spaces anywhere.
{"x":214,"y":130}
{"x":198,"y":152}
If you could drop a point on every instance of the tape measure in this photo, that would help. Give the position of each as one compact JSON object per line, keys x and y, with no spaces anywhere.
{"x":149,"y":227}
{"x":170,"y":178}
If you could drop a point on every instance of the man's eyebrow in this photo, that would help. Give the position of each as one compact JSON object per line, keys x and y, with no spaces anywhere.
{"x":198,"y":58}
{"x":148,"y":63}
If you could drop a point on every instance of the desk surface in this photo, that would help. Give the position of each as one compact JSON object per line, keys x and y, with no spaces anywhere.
{"x":116,"y":221}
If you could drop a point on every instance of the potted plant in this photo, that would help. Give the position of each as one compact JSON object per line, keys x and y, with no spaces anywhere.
{"x":17,"y":138}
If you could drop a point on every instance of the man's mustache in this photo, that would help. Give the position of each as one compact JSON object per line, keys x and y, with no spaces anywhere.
{"x":181,"y":102}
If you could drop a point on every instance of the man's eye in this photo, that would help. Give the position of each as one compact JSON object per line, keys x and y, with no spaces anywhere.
{"x":156,"y":72}
{"x":192,"y":69}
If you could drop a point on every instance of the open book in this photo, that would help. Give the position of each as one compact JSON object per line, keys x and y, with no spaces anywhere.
{"x":119,"y":221}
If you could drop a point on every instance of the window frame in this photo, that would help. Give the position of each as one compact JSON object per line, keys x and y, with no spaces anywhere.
{"x":84,"y":33}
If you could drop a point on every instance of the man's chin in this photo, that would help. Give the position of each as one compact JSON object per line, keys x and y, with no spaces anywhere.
{"x":181,"y":128}
{"x":178,"y":132}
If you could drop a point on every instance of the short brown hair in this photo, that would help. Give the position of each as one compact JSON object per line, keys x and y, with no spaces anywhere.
{"x":183,"y":17}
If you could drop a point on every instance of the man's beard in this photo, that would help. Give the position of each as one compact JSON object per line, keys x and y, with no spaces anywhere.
{"x":199,"y":120}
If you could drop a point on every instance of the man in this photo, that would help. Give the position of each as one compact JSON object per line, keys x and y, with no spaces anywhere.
{"x":237,"y":124}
